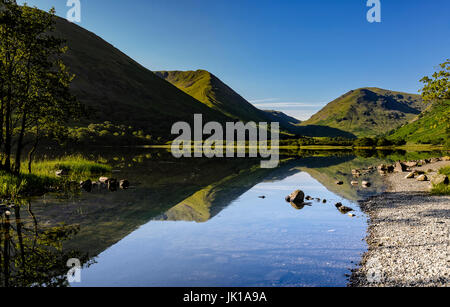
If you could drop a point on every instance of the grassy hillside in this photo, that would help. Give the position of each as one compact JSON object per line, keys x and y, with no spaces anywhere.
{"x":368,"y":111}
{"x":207,"y":88}
{"x":121,"y":91}
{"x":427,"y":128}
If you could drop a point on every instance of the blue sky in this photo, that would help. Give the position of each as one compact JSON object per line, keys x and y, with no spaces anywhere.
{"x":289,"y":55}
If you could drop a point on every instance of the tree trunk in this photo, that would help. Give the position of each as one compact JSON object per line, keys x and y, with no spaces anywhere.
{"x":20,"y":145}
{"x":31,"y":153}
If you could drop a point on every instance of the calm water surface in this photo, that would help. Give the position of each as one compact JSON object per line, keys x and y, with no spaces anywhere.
{"x":201,"y":223}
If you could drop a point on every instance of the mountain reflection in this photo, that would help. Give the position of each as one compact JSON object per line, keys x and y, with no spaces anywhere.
{"x":41,"y":234}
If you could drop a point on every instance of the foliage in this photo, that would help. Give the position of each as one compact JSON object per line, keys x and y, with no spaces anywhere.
{"x":35,"y":100}
{"x":44,"y":179}
{"x":110,"y":133}
{"x":437,"y":88}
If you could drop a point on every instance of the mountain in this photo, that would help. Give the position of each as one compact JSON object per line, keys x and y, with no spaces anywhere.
{"x":210,"y":90}
{"x":429,"y":127}
{"x":368,"y":111}
{"x":119,"y":90}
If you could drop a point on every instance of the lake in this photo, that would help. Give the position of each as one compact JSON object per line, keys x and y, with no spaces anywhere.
{"x":201,"y":222}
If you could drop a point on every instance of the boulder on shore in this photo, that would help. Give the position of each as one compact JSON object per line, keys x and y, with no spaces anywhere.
{"x":400,"y":167}
{"x":411,"y":175}
{"x":439,"y":179}
{"x":411,"y":163}
{"x":422,"y":178}
{"x":339,"y":182}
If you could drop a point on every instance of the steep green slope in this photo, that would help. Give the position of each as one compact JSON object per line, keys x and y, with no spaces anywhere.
{"x":368,"y":111}
{"x":120,"y":90}
{"x":429,"y":127}
{"x":207,"y":88}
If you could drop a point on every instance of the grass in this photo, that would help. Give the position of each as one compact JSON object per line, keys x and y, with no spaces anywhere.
{"x":43,"y":177}
{"x":442,"y":189}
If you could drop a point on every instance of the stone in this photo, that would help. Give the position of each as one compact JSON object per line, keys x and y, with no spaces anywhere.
{"x":103,"y":179}
{"x":399,"y":167}
{"x":435,"y":160}
{"x":422,"y":178}
{"x":439,"y":179}
{"x":297,"y":197}
{"x":324,"y":201}
{"x":354,"y":183}
{"x":288,"y":199}
{"x":125,"y":184}
{"x":339,"y":182}
{"x":308,"y":198}
{"x":410,"y":175}
{"x":86,"y":185}
{"x":366,"y":184}
{"x":112,"y":184}
{"x":61,"y":172}
{"x":351,"y":215}
{"x":411,"y":163}
{"x":343,"y":209}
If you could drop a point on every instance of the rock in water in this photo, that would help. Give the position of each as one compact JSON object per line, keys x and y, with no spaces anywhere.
{"x":439,"y":179}
{"x":124,"y":184}
{"x":112,"y":185}
{"x":86,"y":185}
{"x":103,"y":179}
{"x":343,"y":209}
{"x":422,"y":178}
{"x":61,"y":172}
{"x":297,"y":197}
{"x":288,"y":198}
{"x":366,"y":184}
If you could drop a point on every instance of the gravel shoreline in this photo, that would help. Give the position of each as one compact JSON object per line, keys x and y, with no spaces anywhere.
{"x":408,"y":236}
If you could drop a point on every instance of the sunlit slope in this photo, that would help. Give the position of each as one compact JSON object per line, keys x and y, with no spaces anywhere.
{"x":368,"y":111}
{"x":207,"y":88}
{"x":429,"y":127}
{"x":120,"y":90}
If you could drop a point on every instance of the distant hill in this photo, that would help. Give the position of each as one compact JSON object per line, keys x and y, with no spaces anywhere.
{"x":207,"y":88}
{"x":121,"y":91}
{"x":429,"y":127}
{"x":368,"y":111}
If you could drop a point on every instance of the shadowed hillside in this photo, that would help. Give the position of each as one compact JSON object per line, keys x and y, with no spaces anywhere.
{"x":122,"y":91}
{"x":368,"y":111}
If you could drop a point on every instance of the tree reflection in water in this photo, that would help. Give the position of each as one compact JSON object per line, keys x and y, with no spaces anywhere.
{"x":33,"y":256}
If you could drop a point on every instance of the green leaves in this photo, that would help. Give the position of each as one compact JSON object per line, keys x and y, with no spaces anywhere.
{"x":437,"y":88}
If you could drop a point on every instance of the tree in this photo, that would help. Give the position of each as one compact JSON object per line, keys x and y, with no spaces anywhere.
{"x":35,"y":100}
{"x":437,"y":92}
{"x":437,"y":88}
